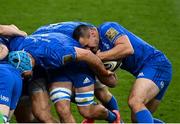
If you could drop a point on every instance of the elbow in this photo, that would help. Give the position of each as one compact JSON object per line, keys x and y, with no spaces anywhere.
{"x":82,"y":54}
{"x":130,"y":51}
{"x":110,"y":81}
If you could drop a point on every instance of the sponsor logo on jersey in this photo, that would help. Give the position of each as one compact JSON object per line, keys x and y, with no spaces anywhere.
{"x":162,"y":84}
{"x":111,"y":33}
{"x":67,"y":58}
{"x":86,"y":80}
{"x":4,"y":98}
{"x":141,"y":74}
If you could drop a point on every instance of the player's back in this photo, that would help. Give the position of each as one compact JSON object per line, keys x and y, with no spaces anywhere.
{"x":45,"y":48}
{"x":66,"y":28}
{"x":143,"y":52}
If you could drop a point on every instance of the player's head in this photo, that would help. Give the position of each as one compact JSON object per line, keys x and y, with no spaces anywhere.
{"x":22,"y":61}
{"x":88,"y":37}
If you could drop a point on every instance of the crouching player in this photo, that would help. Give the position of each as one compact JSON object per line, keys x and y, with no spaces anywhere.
{"x":101,"y":91}
{"x":54,"y":50}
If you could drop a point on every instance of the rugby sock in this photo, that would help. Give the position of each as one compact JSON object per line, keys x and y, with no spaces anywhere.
{"x":3,"y":119}
{"x":144,"y":116}
{"x":112,"y":104}
{"x":111,"y":117}
{"x":158,"y":121}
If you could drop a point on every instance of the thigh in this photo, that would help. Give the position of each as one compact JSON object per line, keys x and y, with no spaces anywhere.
{"x":144,"y":89}
{"x":40,"y":101}
{"x":84,"y":96}
{"x":159,"y":73}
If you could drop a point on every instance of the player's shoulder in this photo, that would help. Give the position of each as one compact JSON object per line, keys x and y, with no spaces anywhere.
{"x":108,"y":24}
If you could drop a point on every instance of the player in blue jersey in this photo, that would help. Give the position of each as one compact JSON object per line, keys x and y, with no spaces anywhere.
{"x":8,"y":31}
{"x":10,"y":78}
{"x":153,"y":71}
{"x":52,"y":51}
{"x":67,"y":28}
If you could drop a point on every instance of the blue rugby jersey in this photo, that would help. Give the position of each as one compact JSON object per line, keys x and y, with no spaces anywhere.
{"x":110,"y":31}
{"x":66,"y":28}
{"x":50,"y":50}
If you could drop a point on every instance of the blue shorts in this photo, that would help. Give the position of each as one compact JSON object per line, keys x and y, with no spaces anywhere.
{"x":158,"y":70}
{"x":77,"y":72}
{"x":10,"y":85}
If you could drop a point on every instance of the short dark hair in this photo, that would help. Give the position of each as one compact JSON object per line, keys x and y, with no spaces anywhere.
{"x":81,"y":31}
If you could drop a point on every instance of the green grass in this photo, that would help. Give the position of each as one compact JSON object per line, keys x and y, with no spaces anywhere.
{"x":156,"y":21}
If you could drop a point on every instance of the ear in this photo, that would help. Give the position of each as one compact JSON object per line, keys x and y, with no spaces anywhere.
{"x":92,"y":32}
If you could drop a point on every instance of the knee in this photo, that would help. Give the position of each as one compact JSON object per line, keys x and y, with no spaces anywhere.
{"x":42,"y":113}
{"x":85,"y":112}
{"x":63,"y":110}
{"x":135,"y":103}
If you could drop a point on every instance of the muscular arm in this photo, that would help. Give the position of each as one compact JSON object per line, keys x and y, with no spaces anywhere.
{"x":3,"y":51}
{"x":122,"y":48}
{"x":96,"y":65}
{"x":11,"y":30}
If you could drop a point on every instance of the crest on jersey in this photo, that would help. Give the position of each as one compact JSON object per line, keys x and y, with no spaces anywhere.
{"x":67,"y":58}
{"x":111,"y":33}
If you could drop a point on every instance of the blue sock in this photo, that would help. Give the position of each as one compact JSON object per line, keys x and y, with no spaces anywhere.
{"x":111,"y":117}
{"x":112,"y":104}
{"x":158,"y":121}
{"x":144,"y":116}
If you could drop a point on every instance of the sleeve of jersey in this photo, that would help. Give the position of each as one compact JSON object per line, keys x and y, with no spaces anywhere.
{"x":3,"y":40}
{"x":63,"y":55}
{"x":69,"y":55}
{"x":112,"y":31}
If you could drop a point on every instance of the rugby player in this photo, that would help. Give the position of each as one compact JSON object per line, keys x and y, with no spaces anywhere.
{"x":10,"y":78}
{"x":152,"y":69}
{"x":47,"y":50}
{"x":67,"y":28}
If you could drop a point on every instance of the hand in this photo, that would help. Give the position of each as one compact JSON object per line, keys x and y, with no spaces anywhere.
{"x":97,"y":53}
{"x":11,"y":30}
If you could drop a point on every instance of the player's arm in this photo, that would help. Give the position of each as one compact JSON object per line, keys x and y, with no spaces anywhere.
{"x":3,"y":51}
{"x":97,"y":66}
{"x":122,"y":48}
{"x":11,"y":30}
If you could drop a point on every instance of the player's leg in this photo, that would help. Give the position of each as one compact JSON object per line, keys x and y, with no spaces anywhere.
{"x":85,"y":101}
{"x":142,"y":92}
{"x":4,"y":112}
{"x":60,"y":93}
{"x":154,"y":103}
{"x":104,"y":96}
{"x":23,"y":112}
{"x":152,"y":84}
{"x":41,"y":108}
{"x":152,"y":107}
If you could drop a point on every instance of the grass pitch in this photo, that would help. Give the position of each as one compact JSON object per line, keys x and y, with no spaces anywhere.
{"x":155,"y":21}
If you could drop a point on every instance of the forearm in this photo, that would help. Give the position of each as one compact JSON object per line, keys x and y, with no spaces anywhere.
{"x":11,"y":30}
{"x":115,"y":53}
{"x":92,"y":60}
{"x":122,"y":48}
